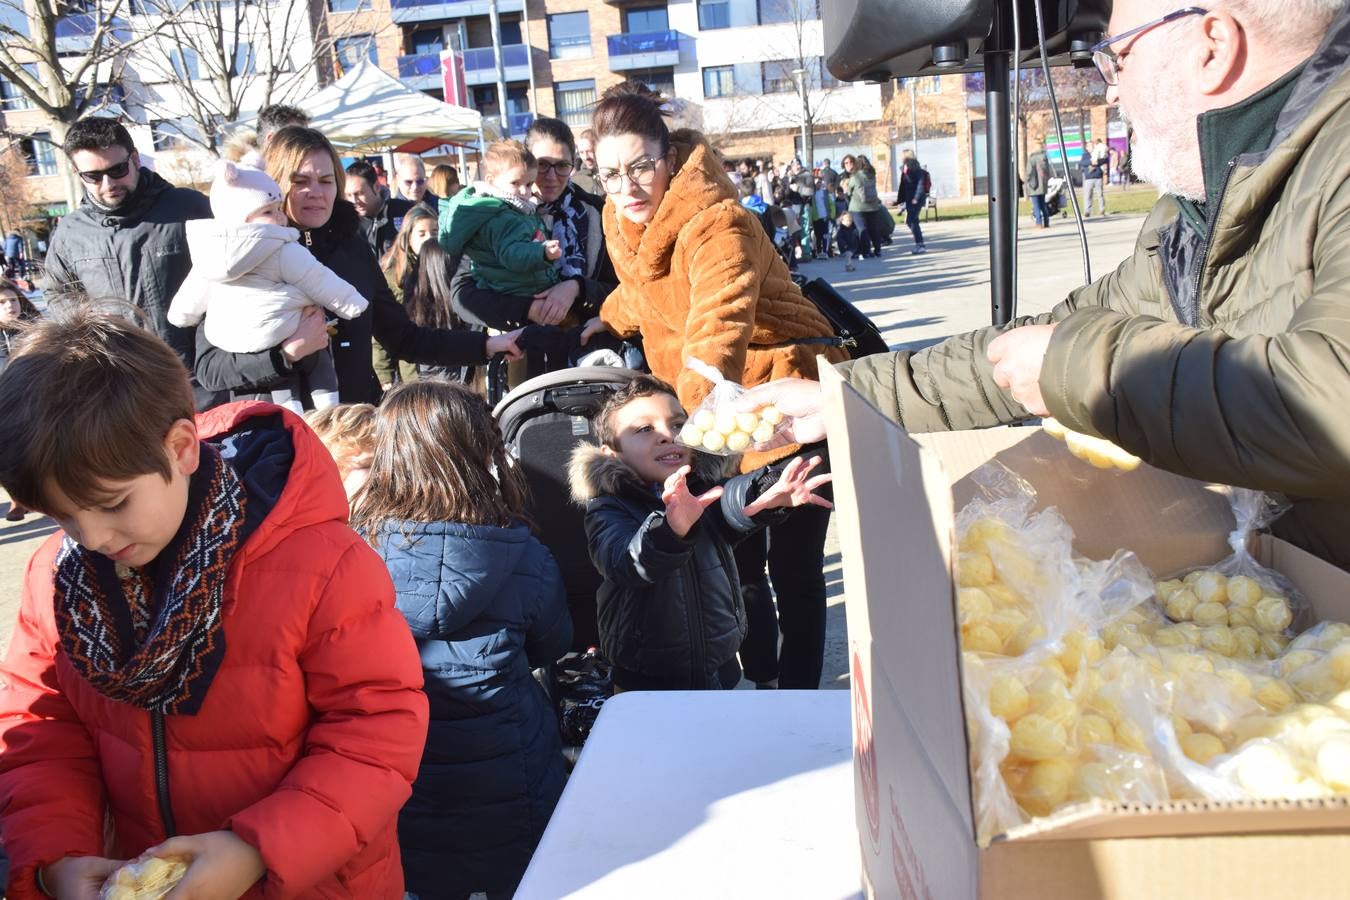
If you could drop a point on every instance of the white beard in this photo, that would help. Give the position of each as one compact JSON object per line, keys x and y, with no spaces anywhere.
{"x":1165,"y":148}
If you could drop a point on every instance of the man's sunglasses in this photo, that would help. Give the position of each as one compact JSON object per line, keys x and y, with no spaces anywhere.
{"x":96,"y":176}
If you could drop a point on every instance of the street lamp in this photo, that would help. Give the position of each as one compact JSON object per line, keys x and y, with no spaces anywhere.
{"x":800,"y":75}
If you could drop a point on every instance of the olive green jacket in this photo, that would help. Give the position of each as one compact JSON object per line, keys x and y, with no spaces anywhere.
{"x":1223,"y":357}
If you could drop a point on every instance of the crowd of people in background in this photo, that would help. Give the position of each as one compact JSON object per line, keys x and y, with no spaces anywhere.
{"x":372,"y":303}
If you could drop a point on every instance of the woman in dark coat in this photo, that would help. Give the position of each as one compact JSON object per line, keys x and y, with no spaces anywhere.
{"x":309,"y":170}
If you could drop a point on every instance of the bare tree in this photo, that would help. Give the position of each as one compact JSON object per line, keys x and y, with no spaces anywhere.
{"x":1076,"y":90}
{"x":65,"y":57}
{"x":798,"y":68}
{"x":215,"y":61}
{"x":14,"y":200}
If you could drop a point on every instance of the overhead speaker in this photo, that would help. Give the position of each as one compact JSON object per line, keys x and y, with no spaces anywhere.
{"x":877,"y":40}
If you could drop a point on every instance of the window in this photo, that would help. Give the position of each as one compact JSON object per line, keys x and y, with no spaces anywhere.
{"x":714,"y":14}
{"x":569,"y":35}
{"x":646,"y":19}
{"x":39,"y":153}
{"x":510,"y":33}
{"x":660,"y":80}
{"x":777,"y":12}
{"x":244,"y":59}
{"x":926,"y":84}
{"x":185,"y":63}
{"x":165,"y":135}
{"x":344,"y":5}
{"x":351,"y":50}
{"x":777,"y":75}
{"x":719,"y":81}
{"x":820,"y":75}
{"x":575,"y":100}
{"x":12,"y":96}
{"x":428,"y":40}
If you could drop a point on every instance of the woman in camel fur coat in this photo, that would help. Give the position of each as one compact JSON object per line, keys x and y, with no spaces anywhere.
{"x":698,"y":277}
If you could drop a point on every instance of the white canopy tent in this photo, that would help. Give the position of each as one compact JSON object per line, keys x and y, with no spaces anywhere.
{"x":369,"y":111}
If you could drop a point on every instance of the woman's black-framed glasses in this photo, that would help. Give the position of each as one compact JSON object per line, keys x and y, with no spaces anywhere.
{"x":95,"y":176}
{"x":641,"y":173}
{"x":1108,"y":61}
{"x":561,"y":168}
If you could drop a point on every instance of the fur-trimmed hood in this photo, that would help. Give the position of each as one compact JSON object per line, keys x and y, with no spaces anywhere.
{"x":593,"y":473}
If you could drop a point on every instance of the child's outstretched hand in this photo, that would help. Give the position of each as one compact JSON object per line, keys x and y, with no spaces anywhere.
{"x":683,"y":509}
{"x":223,"y":866}
{"x":793,"y":488}
{"x":504,"y":343}
{"x":552,"y":250}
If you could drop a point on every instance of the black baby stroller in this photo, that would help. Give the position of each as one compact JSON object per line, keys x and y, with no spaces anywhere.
{"x":541,"y":421}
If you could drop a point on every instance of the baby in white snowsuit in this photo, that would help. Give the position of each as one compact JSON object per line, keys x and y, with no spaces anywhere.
{"x":251,"y":278}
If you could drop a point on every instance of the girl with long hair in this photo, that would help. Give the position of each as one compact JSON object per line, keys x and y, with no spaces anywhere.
{"x":401,"y":265}
{"x":16,"y":310}
{"x":444,"y":505}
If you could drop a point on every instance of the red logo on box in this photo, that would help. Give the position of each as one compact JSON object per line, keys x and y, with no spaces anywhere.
{"x":908,"y":873}
{"x":864,"y":752}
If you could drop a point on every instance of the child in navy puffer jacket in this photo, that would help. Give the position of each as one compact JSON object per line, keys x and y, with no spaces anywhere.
{"x":444,"y":506}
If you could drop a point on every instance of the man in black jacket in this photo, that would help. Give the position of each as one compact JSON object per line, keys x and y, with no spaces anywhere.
{"x":378,"y":222}
{"x":127,"y":240}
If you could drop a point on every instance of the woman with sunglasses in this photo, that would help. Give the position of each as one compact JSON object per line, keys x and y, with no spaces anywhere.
{"x":572,"y":217}
{"x":699,"y":277}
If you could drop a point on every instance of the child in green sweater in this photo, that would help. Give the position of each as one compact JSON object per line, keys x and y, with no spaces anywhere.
{"x":494,"y":222}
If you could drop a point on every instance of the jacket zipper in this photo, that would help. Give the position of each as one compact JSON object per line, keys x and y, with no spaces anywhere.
{"x":162,"y":773}
{"x":1209,"y":239}
{"x":697,"y":662}
{"x":309,"y":238}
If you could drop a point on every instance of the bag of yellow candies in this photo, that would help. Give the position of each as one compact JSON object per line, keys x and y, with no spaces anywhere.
{"x":719,"y":427}
{"x":1241,"y":608}
{"x":150,"y":879}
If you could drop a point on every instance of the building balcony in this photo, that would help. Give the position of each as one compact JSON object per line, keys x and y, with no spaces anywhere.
{"x":407,"y":11}
{"x":644,"y":50}
{"x":480,"y":64}
{"x":420,"y":71}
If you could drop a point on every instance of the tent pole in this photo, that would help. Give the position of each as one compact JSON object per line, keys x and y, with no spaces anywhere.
{"x":482,"y":152}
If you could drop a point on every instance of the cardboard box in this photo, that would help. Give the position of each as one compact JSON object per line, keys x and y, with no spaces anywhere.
{"x":896,"y":498}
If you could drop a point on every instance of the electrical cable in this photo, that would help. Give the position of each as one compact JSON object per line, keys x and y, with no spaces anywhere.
{"x":1059,"y":132}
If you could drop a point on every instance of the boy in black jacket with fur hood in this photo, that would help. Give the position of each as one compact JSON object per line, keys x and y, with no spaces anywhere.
{"x":670,"y":611}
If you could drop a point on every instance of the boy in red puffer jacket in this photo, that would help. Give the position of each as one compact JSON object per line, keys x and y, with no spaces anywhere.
{"x":208,"y":663}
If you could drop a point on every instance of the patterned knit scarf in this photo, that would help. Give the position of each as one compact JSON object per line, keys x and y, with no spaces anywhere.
{"x":156,"y":644}
{"x":567,"y":215}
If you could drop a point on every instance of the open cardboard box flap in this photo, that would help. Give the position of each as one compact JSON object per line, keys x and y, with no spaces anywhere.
{"x":896,"y":497}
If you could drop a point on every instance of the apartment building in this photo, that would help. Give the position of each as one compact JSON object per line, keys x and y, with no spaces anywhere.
{"x":183,"y":76}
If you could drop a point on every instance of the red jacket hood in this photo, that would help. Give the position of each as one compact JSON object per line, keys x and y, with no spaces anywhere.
{"x":313,"y":491}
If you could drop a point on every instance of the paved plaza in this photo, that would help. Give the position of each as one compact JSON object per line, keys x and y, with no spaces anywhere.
{"x":914,"y":300}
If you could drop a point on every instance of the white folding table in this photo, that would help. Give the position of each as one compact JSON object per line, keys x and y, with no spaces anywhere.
{"x":707,"y":794}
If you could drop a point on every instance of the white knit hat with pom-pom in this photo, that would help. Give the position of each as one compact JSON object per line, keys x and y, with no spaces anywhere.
{"x":241,"y":189}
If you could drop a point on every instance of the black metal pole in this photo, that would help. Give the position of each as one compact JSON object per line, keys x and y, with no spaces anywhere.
{"x":1002,"y":187}
{"x":1002,"y":190}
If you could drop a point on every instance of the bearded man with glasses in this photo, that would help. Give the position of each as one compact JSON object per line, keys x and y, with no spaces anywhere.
{"x":126,"y":241}
{"x":1220,"y":349}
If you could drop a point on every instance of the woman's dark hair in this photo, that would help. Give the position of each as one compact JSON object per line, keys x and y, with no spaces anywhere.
{"x":553,"y":130}
{"x":439,"y":457}
{"x":631,"y":107}
{"x":400,"y":257}
{"x":26,"y":308}
{"x":429,"y":302}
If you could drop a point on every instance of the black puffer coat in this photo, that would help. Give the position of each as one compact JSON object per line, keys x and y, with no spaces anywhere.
{"x":342,"y":246}
{"x":670,"y":610}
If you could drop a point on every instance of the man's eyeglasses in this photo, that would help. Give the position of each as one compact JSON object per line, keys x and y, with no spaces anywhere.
{"x":96,"y":176}
{"x":1108,"y":60}
{"x":560,"y":169}
{"x":641,"y":173}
